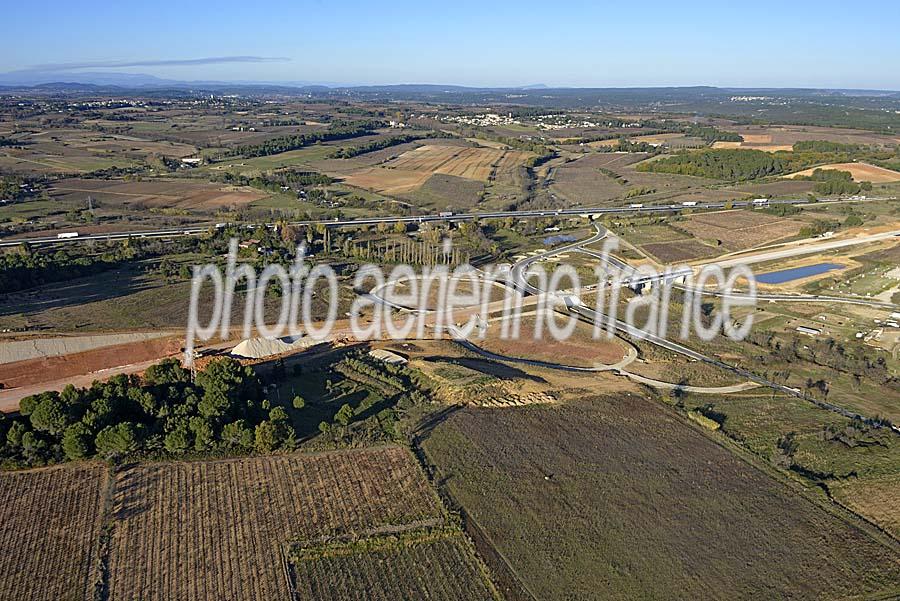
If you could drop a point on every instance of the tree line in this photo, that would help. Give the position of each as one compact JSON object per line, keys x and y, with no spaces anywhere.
{"x":338,"y":131}
{"x":24,"y":268}
{"x":747,"y":164}
{"x":353,"y":151}
{"x":273,"y":181}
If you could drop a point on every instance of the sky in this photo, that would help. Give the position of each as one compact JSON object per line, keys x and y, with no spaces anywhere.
{"x":823,"y":44}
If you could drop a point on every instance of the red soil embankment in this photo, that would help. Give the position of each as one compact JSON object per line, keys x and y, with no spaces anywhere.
{"x":47,"y":369}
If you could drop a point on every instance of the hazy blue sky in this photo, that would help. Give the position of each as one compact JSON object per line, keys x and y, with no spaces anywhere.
{"x":761,"y":43}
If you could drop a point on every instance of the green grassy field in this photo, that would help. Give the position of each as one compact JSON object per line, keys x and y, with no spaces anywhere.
{"x":612,"y":498}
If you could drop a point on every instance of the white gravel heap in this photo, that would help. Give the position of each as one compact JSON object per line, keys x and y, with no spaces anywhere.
{"x":259,"y":348}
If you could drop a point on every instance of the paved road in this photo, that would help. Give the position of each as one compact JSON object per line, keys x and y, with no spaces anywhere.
{"x":201,"y":229}
{"x":628,"y":270}
{"x":803,"y":247}
{"x":592,"y":316}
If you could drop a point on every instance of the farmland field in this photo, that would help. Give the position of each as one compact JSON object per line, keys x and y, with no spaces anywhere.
{"x":442,"y":568}
{"x":607,"y":176}
{"x":739,"y":230}
{"x":412,"y":169}
{"x":216,"y":530}
{"x":443,"y":192}
{"x":860,"y":171}
{"x":50,"y":532}
{"x":679,"y":250}
{"x":156,"y":193}
{"x":615,"y":498}
{"x":75,"y":151}
{"x":767,"y":137}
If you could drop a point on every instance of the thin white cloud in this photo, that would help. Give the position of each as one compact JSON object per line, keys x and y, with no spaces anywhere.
{"x":178,"y":62}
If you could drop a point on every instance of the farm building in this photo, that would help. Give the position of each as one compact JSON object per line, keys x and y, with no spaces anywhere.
{"x":808,"y":331}
{"x":386,"y":356}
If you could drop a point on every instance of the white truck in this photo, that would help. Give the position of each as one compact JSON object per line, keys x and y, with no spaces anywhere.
{"x":65,"y":235}
{"x":689,"y":203}
{"x":636,"y":205}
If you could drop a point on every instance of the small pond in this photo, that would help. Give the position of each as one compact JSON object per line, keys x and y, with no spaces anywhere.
{"x":796,"y":273}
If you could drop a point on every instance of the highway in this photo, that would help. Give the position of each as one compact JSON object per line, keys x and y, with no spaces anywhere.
{"x":519,"y":273}
{"x":803,"y":247}
{"x":532,"y":214}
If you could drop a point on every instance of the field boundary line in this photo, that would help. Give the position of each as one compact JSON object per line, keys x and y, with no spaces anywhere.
{"x":506,"y":581}
{"x":289,"y":577}
{"x":107,"y":524}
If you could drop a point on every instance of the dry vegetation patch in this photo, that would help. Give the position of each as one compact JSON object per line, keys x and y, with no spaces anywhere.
{"x":442,"y":568}
{"x":617,"y":498}
{"x":875,"y":498}
{"x":861,"y":172}
{"x":739,"y":230}
{"x":176,"y":193}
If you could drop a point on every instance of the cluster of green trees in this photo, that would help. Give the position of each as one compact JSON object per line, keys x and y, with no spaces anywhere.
{"x":727,"y":164}
{"x":353,"y":151}
{"x":747,"y":164}
{"x":629,"y":146}
{"x":540,"y":159}
{"x":338,"y":131}
{"x":161,"y":412}
{"x":826,"y":146}
{"x":711,"y":134}
{"x":834,"y":182}
{"x":274,"y":180}
{"x":406,"y":250}
{"x":392,"y":376}
{"x":819,"y":227}
{"x":781,"y":210}
{"x":23,"y":270}
{"x":4,"y":141}
{"x":11,"y":187}
{"x":640,"y":191}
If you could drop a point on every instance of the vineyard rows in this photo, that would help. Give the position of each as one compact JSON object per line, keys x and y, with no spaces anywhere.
{"x":444,"y":568}
{"x":214,"y":530}
{"x":50,"y":532}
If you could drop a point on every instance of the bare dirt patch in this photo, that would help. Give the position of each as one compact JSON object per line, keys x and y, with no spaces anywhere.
{"x":862,"y":172}
{"x":46,"y":369}
{"x":579,"y":350}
